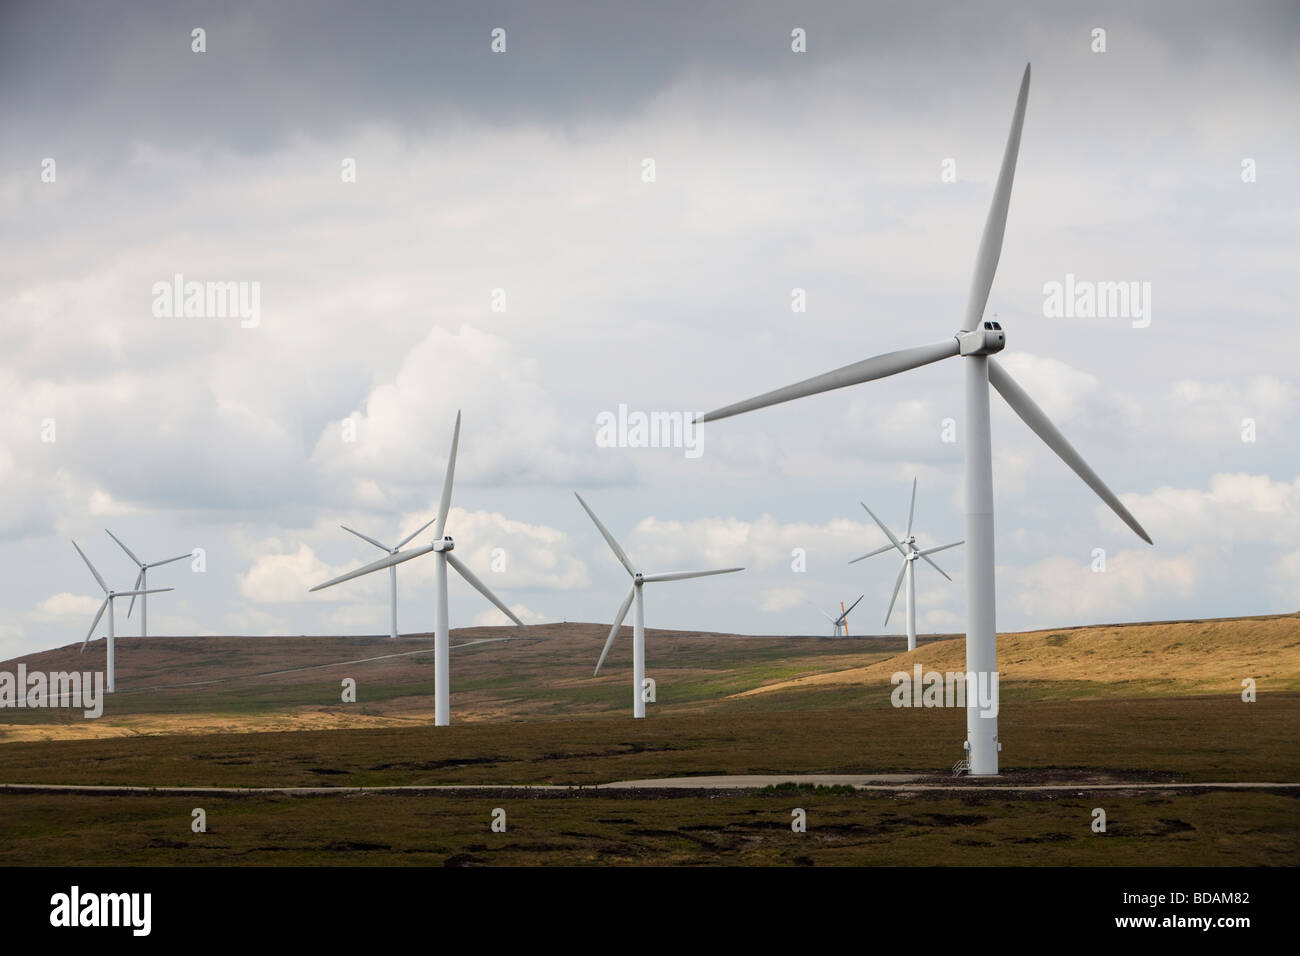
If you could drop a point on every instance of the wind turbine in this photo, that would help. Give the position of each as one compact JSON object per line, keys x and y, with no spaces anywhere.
{"x":441,"y":547}
{"x":911,"y":553}
{"x":976,"y":341}
{"x":141,"y":581}
{"x":392,"y":570}
{"x":634,"y":594}
{"x":109,"y":595}
{"x":842,"y":620}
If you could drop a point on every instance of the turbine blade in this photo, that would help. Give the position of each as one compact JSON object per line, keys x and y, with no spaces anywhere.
{"x":379,"y":565}
{"x":929,"y":551}
{"x":134,"y":586}
{"x":1039,"y":423}
{"x":407,"y":540}
{"x":683,"y":575}
{"x":833,"y":620}
{"x":179,"y":557}
{"x":613,"y":631}
{"x":609,"y":538}
{"x":889,"y":534}
{"x":911,"y":509}
{"x":444,"y":504}
{"x":891,"y":363}
{"x":897,"y":584}
{"x":851,"y":607}
{"x":819,"y":611}
{"x":986,"y":260}
{"x":118,"y":594}
{"x":95,"y":622}
{"x":130,"y":553}
{"x":91,"y":566}
{"x":942,"y":547}
{"x":482,"y":588}
{"x":366,"y":537}
{"x":926,"y":558}
{"x":872,"y":554}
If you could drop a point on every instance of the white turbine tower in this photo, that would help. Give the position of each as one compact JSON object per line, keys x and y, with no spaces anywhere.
{"x":976,"y":341}
{"x":634,"y":594}
{"x":842,"y":621}
{"x":441,"y":547}
{"x":109,"y":596}
{"x":141,"y":581}
{"x":392,"y":571}
{"x":911,"y":553}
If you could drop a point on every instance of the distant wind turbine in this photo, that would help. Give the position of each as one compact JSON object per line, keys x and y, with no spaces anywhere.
{"x":392,"y":570}
{"x":976,"y":342}
{"x":142,"y":582}
{"x":911,"y":553}
{"x":441,"y":547}
{"x":109,"y":596}
{"x":842,"y":621}
{"x":634,"y":595}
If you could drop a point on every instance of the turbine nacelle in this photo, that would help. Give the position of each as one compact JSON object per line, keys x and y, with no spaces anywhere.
{"x":988,"y":339}
{"x":446,"y":544}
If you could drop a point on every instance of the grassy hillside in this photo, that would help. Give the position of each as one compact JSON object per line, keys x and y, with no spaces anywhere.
{"x":245,"y":684}
{"x":1176,"y":658}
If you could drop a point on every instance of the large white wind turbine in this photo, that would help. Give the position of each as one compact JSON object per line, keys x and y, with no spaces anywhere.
{"x":109,"y":596}
{"x":842,"y":621}
{"x":392,"y":570}
{"x":976,"y":341}
{"x":441,"y":547}
{"x":906,"y":546}
{"x":634,"y":595}
{"x":141,"y":581}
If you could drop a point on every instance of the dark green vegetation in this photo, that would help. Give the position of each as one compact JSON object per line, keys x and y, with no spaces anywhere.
{"x":1192,"y":739}
{"x":628,"y":827}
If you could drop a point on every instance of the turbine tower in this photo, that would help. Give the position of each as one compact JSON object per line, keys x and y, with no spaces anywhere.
{"x":976,"y":342}
{"x":392,"y":570}
{"x":109,"y":596}
{"x":141,"y":581}
{"x":911,"y":553}
{"x":634,"y":594}
{"x":441,"y":547}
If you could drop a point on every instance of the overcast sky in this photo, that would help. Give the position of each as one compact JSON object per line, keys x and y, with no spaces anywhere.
{"x":524,"y":171}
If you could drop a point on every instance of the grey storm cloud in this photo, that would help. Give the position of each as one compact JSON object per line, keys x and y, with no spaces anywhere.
{"x":520,"y":171}
{"x":119,"y":71}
